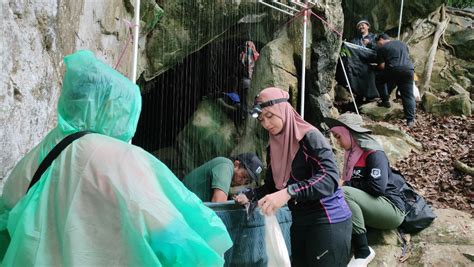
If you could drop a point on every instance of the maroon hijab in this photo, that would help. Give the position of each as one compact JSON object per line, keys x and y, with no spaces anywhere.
{"x":283,"y":147}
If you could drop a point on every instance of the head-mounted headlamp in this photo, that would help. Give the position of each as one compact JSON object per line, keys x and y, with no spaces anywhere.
{"x":257,"y":108}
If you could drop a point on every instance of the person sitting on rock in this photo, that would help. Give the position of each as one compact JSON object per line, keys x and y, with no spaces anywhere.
{"x":368,"y":184}
{"x":212,"y":180}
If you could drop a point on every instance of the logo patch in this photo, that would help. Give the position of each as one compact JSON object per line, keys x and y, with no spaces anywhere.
{"x":258,"y":170}
{"x":376,"y":173}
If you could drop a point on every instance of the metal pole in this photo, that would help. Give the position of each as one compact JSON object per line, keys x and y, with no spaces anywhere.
{"x":400,"y":20}
{"x":136,"y":30}
{"x":274,"y":7}
{"x":303,"y":64}
{"x":349,"y":84}
{"x":289,"y":7}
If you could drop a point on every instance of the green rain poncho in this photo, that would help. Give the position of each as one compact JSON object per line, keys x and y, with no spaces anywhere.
{"x":104,"y":202}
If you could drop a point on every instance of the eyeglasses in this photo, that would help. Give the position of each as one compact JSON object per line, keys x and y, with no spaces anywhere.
{"x":257,"y":108}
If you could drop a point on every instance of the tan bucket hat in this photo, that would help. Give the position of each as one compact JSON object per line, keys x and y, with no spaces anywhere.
{"x":351,"y":121}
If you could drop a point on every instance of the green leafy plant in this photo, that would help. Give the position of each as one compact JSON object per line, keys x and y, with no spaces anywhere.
{"x":460,"y":3}
{"x":345,"y":52}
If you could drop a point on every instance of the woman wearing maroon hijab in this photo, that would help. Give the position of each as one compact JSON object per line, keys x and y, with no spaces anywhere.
{"x":302,"y":172}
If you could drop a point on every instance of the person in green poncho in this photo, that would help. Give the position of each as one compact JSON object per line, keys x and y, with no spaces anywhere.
{"x":103,"y":201}
{"x":212,"y":180}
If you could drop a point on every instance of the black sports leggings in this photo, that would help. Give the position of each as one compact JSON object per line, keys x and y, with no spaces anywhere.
{"x":321,"y":244}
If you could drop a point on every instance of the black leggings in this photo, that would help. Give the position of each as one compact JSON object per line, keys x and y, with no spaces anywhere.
{"x":321,"y":244}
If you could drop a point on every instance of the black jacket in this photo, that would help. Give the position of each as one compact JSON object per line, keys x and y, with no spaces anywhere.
{"x":313,"y":183}
{"x":372,"y":174}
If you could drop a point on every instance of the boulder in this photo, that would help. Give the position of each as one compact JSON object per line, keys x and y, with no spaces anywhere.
{"x":454,"y":105}
{"x":384,"y":14}
{"x":381,"y":113}
{"x":463,"y":42}
{"x":209,"y":133}
{"x":457,"y":89}
{"x":342,"y":94}
{"x":276,"y":67}
{"x":448,"y":241}
{"x":428,"y":100}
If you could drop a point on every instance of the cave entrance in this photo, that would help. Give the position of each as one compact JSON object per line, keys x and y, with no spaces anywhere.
{"x":170,"y":99}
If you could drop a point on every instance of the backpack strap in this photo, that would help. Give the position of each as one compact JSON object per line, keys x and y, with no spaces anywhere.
{"x":53,"y":154}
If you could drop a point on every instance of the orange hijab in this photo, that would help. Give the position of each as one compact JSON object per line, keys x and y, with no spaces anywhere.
{"x":285,"y":145}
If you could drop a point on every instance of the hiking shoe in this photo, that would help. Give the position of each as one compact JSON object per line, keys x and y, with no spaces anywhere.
{"x":410,"y":124}
{"x":362,"y":262}
{"x":384,"y":104}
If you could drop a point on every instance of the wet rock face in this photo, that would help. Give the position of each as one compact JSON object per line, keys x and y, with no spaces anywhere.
{"x":36,"y":36}
{"x":384,"y":15}
{"x":189,"y":25}
{"x":463,"y":41}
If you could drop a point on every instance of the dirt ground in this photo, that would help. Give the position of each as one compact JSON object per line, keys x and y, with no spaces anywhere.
{"x":431,"y":172}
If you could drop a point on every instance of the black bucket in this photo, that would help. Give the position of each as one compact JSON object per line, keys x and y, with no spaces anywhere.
{"x":248,"y":235}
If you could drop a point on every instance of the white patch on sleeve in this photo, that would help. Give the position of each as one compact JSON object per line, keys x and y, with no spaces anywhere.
{"x":376,"y":173}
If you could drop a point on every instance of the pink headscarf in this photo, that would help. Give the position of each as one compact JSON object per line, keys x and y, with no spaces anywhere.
{"x":352,"y":155}
{"x":283,"y":147}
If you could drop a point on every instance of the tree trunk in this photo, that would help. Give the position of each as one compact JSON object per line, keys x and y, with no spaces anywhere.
{"x":440,"y":28}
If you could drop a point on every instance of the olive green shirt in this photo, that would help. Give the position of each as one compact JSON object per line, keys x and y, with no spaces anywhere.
{"x":216,"y":173}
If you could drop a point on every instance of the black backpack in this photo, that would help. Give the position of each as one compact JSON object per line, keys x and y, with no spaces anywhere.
{"x":418,"y":214}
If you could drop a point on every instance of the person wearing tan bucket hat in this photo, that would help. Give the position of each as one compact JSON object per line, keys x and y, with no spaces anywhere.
{"x":368,"y":184}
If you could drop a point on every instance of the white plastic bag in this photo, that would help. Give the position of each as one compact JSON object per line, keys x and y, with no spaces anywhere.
{"x":416,"y":92}
{"x":275,"y":245}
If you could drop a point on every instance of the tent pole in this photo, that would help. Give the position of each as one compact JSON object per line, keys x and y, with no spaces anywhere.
{"x":400,"y":20}
{"x":349,"y":84}
{"x":303,"y":64}
{"x":136,"y":30}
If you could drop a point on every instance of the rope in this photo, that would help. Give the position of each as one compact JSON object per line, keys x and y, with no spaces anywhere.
{"x":130,"y":37}
{"x":301,"y":12}
{"x":332,"y":28}
{"x":327,"y":23}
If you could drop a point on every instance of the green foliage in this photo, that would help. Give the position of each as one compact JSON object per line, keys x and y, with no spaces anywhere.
{"x":460,"y":3}
{"x":345,"y":52}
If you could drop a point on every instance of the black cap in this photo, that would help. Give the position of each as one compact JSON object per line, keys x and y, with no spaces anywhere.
{"x":252,"y":164}
{"x":382,"y":36}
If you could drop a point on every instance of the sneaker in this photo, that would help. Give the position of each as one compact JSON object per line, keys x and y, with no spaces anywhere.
{"x":384,"y":104}
{"x":410,"y":124}
{"x":362,"y":262}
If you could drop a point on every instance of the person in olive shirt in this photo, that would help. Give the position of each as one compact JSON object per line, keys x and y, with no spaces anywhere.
{"x":212,"y":180}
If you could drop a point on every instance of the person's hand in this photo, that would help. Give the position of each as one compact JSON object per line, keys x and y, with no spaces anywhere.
{"x":365,"y":41}
{"x":241,"y":199}
{"x":270,"y":203}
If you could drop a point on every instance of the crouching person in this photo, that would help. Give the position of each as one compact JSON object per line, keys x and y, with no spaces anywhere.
{"x":212,"y":180}
{"x":103,"y":201}
{"x":368,"y":186}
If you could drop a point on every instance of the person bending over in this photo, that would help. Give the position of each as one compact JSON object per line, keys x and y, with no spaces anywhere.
{"x":212,"y":180}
